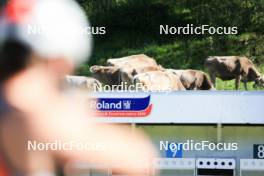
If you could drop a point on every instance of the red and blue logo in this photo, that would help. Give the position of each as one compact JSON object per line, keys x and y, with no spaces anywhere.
{"x":122,"y":107}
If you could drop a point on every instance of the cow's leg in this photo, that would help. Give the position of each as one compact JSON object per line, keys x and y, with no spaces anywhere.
{"x":245,"y":85}
{"x":213,"y":78}
{"x":238,"y":78}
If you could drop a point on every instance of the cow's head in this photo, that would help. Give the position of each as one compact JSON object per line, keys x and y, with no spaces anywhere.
{"x":103,"y":69}
{"x":106,"y":74}
{"x":95,"y":69}
{"x":259,"y":82}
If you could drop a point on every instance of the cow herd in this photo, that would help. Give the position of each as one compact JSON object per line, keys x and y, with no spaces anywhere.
{"x":142,"y":70}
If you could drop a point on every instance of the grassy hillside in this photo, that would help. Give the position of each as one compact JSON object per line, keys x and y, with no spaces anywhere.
{"x":133,"y":27}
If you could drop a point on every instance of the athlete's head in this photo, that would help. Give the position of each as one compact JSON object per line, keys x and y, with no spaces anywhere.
{"x":54,"y":31}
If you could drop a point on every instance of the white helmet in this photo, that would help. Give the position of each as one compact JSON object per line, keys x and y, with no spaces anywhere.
{"x":52,"y":28}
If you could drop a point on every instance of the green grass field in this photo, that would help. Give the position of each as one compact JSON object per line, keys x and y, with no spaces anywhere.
{"x":230,"y":85}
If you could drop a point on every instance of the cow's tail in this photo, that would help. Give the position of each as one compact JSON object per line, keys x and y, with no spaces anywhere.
{"x":207,"y":84}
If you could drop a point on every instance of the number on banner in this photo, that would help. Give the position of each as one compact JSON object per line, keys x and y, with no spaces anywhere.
{"x":258,"y":151}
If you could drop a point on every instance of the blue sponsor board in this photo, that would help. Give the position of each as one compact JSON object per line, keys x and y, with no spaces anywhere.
{"x":175,"y":152}
{"x":121,"y":107}
{"x":122,"y":104}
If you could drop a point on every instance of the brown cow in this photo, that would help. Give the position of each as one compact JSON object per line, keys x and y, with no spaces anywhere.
{"x":108,"y":75}
{"x":127,"y":73}
{"x":132,"y":61}
{"x":233,"y":67}
{"x":158,"y":81}
{"x":193,"y":79}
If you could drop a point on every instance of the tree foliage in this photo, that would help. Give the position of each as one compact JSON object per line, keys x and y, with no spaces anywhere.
{"x":133,"y":27}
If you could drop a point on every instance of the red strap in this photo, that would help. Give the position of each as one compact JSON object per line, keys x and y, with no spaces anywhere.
{"x":18,"y":10}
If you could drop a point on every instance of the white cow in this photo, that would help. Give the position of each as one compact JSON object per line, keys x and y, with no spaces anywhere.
{"x":82,"y":82}
{"x":193,"y":79}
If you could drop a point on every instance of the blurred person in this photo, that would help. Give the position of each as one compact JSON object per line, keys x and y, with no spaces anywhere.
{"x":32,"y":106}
